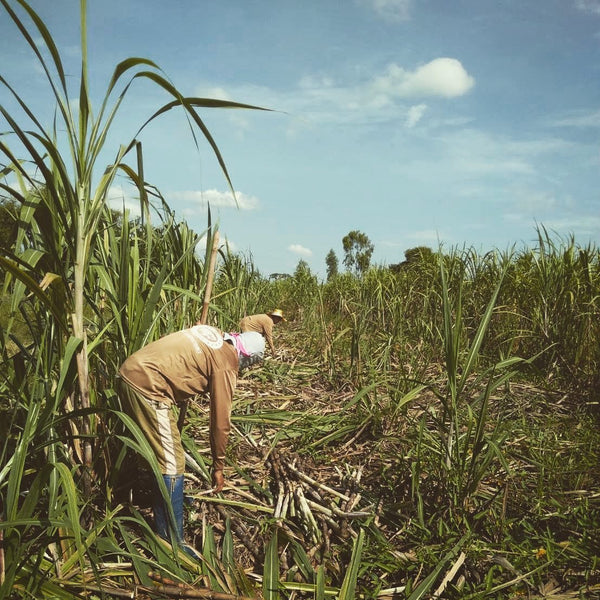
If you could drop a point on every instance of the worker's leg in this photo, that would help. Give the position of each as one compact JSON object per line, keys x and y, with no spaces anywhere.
{"x":174,"y":485}
{"x":158,"y":423}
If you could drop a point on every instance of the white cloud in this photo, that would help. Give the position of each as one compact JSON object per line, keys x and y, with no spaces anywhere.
{"x":231,"y":245}
{"x":378,"y":98}
{"x":579,"y":119}
{"x":445,"y":77}
{"x":582,"y":224}
{"x":309,"y":82}
{"x":215,"y":92}
{"x":118,"y":198}
{"x":414,"y":114}
{"x":557,"y":213}
{"x":535,"y":203}
{"x":469,"y":154}
{"x":215,"y":198}
{"x":300,"y":250}
{"x":390,"y":10}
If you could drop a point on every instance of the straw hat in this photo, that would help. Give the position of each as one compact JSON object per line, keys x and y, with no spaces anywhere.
{"x":277,"y":313}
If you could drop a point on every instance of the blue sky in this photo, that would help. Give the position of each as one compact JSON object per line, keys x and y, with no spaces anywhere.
{"x":417,"y":122}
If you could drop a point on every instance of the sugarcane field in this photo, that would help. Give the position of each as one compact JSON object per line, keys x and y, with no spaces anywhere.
{"x":365,"y":459}
{"x":179,"y":421}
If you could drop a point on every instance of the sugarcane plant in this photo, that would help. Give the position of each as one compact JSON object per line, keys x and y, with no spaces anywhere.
{"x":467,"y":446}
{"x":90,"y":285}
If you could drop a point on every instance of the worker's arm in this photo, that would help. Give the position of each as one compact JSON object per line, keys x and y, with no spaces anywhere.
{"x":268,"y":332}
{"x":222,"y":386}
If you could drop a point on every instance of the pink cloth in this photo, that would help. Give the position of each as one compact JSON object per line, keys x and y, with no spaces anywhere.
{"x":237,"y":342}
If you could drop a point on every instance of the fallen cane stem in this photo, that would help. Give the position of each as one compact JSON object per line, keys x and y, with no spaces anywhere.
{"x":171,"y":588}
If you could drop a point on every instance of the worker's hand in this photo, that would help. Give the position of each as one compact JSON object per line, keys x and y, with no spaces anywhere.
{"x":218,"y":481}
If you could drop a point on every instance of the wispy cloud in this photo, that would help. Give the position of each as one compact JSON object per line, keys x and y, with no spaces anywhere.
{"x":194,"y":199}
{"x":390,"y":10}
{"x":414,"y":114}
{"x":300,"y":250}
{"x":588,"y":6}
{"x":579,"y":118}
{"x":380,"y":97}
{"x":532,"y":204}
{"x":479,"y":153}
{"x":582,"y":224}
{"x":558,"y":213}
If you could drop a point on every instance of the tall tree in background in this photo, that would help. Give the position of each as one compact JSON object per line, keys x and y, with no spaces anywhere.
{"x":421,"y":255}
{"x":358,"y":250}
{"x":331,"y":260}
{"x":304,"y":285}
{"x":302,"y":270}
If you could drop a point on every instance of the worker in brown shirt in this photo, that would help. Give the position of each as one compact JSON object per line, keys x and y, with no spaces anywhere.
{"x":263,"y":324}
{"x":173,"y":369}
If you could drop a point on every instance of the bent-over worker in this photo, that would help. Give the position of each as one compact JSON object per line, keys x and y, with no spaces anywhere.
{"x":173,"y":369}
{"x":263,"y":324}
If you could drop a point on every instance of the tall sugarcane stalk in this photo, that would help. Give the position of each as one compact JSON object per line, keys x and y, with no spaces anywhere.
{"x":73,"y":203}
{"x":62,"y":260}
{"x":82,"y":245}
{"x":204,"y":315}
{"x":210,"y":277}
{"x":80,"y":270}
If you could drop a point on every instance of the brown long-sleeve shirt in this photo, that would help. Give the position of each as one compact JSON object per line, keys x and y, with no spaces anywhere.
{"x":184,"y":364}
{"x":263,"y":324}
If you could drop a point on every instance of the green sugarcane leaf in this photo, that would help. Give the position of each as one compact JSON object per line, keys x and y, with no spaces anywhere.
{"x":271,"y":569}
{"x":348,"y":589}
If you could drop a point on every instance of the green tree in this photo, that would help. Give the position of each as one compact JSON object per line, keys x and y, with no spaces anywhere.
{"x":302,"y":272}
{"x":278,"y":276}
{"x":331,"y":260}
{"x":421,"y":255}
{"x":358,"y":250}
{"x":304,"y":286}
